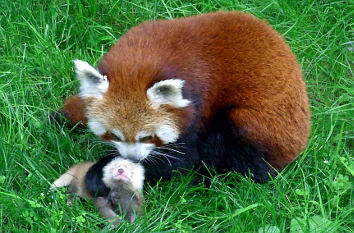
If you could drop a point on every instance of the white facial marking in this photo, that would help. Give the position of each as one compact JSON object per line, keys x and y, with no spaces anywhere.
{"x":167,"y":133}
{"x":141,"y":135}
{"x":96,"y":127}
{"x":118,"y":133}
{"x":135,"y":171}
{"x":92,"y":83}
{"x":167,"y":92}
{"x":136,"y":151}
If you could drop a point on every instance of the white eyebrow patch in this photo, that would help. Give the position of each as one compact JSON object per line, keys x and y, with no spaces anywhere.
{"x":167,"y":133}
{"x":141,"y":135}
{"x":118,"y":134}
{"x":96,"y":127}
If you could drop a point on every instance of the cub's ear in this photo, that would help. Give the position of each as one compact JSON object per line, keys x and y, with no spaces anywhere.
{"x":92,"y":83}
{"x":167,"y":92}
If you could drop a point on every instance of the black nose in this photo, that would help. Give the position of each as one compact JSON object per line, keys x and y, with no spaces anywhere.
{"x":120,"y":170}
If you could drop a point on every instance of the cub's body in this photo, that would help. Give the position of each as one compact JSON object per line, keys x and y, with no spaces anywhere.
{"x":222,"y":89}
{"x":123,"y":180}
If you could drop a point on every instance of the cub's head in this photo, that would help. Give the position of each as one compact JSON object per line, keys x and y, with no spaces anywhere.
{"x":124,"y":172}
{"x":136,"y":114}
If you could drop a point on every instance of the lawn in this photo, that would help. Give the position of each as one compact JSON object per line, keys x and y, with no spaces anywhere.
{"x":40,"y":39}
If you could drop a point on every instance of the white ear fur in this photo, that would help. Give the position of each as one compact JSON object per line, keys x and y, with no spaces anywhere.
{"x":167,"y":92}
{"x":93,"y":84}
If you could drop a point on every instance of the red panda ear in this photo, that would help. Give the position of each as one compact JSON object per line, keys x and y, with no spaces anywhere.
{"x":92,"y":83}
{"x":167,"y":92}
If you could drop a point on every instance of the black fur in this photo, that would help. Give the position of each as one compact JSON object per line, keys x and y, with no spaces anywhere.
{"x":93,"y":177}
{"x":222,"y":147}
{"x":183,"y":158}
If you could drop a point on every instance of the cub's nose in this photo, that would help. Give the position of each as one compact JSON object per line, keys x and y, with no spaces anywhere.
{"x":120,"y":170}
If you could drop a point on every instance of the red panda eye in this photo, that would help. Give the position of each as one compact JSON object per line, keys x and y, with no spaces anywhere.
{"x":146,"y":138}
{"x":115,"y":137}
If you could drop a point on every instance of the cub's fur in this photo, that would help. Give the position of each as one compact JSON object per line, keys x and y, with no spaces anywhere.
{"x":125,"y":180}
{"x":223,"y":89}
{"x":74,"y":178}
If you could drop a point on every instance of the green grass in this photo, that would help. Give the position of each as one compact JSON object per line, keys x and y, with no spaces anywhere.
{"x":39,"y":40}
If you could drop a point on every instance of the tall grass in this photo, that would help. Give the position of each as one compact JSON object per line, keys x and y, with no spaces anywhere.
{"x":39,"y":40}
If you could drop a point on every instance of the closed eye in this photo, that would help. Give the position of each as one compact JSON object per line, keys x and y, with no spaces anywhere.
{"x":145,"y":139}
{"x":115,"y":137}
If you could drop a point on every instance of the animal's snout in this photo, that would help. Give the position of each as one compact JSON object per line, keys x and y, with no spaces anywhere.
{"x":120,"y":171}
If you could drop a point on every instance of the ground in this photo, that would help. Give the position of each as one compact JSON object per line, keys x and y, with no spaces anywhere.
{"x":40,"y":39}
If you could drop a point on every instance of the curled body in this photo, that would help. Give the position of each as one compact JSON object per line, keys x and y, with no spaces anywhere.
{"x":123,"y":178}
{"x":222,"y":89}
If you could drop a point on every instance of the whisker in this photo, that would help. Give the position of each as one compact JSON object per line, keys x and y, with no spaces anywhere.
{"x":111,"y":153}
{"x":173,"y":144}
{"x":151,"y":160}
{"x":154,"y":161}
{"x":153,"y":156}
{"x":167,"y":155}
{"x":96,"y":142}
{"x":167,"y":148}
{"x":164,"y":155}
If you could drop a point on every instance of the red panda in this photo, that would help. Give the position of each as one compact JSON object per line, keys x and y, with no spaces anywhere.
{"x":222,"y":89}
{"x":124,"y":178}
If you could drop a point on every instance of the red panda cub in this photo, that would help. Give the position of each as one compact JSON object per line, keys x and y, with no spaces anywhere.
{"x":222,"y":89}
{"x":125,"y":180}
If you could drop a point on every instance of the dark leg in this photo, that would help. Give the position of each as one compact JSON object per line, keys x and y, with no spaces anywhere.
{"x":225,"y":148}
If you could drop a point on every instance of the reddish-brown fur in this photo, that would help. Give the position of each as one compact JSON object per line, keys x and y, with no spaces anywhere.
{"x":227,"y":59}
{"x":75,"y":110}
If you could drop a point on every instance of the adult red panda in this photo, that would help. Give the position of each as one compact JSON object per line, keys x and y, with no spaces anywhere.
{"x":219,"y":88}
